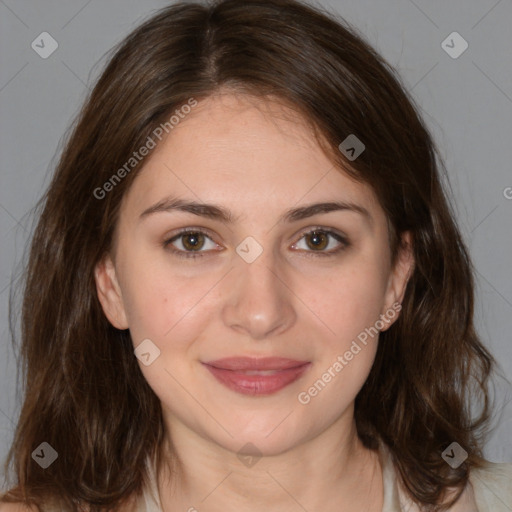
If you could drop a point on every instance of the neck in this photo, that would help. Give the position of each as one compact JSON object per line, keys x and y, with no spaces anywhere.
{"x":332,"y":472}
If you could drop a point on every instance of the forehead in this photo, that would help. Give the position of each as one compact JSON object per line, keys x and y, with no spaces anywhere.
{"x":244,"y":152}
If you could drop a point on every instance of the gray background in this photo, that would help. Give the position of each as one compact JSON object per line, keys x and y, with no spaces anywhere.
{"x":466,"y":102}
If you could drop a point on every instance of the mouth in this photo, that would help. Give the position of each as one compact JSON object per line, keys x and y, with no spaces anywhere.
{"x":257,"y":376}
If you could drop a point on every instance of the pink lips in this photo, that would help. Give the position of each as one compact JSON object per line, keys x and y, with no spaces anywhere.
{"x":257,"y":376}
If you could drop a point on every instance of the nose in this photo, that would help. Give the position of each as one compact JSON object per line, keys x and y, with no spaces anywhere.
{"x":258,"y":302}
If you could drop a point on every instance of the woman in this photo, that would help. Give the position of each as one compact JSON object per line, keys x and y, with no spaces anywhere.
{"x":244,"y":284}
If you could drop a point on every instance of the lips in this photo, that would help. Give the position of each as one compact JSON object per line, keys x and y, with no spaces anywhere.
{"x":253,"y":363}
{"x":257,"y":376}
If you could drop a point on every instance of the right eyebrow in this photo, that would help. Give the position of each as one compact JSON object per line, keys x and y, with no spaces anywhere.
{"x":210,"y":211}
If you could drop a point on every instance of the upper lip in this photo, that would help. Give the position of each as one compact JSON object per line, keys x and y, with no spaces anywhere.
{"x":256,"y":363}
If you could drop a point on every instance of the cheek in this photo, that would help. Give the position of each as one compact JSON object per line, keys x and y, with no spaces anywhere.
{"x":172,"y":311}
{"x":349,"y":303}
{"x":165,"y":306}
{"x":348,"y":299}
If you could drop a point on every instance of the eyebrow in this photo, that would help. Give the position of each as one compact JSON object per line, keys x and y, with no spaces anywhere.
{"x":216,"y":212}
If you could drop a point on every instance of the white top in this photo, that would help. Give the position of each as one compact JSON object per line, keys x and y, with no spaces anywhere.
{"x":489,"y":490}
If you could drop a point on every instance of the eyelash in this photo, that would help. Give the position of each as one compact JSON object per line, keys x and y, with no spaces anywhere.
{"x":200,"y":254}
{"x":185,"y":254}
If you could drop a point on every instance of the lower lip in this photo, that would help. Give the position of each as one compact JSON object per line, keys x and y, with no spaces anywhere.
{"x":259,"y":384}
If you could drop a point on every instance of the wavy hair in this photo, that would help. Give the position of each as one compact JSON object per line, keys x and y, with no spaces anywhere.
{"x":84,"y":393}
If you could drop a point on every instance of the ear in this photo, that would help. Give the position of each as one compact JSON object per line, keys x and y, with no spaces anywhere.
{"x":109,"y":293}
{"x":400,"y":274}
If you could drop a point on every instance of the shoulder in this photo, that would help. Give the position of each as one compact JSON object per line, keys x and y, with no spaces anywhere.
{"x":492,"y":486}
{"x":22,"y":507}
{"x":130,"y":505}
{"x":16,"y":507}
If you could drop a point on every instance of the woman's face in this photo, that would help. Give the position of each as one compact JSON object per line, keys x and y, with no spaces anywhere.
{"x":266,"y":272}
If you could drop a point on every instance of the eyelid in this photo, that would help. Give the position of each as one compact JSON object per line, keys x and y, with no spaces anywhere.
{"x":167,"y":244}
{"x":190,"y":229}
{"x":341,"y":238}
{"x":323,"y":229}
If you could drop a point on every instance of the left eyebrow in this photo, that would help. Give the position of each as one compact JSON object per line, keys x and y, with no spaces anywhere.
{"x":304,"y":212}
{"x":217,"y":212}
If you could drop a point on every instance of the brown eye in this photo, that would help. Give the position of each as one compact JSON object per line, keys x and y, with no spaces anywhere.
{"x":192,"y":241}
{"x":317,"y":240}
{"x":321,"y":242}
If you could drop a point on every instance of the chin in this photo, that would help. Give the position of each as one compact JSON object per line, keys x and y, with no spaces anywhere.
{"x":265,"y":434}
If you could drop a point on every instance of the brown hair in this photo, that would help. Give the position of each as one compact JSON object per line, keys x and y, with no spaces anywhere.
{"x":84,"y":392}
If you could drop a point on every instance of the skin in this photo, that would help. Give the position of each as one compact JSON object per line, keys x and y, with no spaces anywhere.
{"x":256,"y":159}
